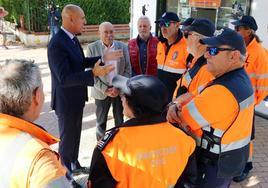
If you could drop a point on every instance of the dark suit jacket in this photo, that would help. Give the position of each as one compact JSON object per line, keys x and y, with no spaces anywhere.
{"x":67,"y":64}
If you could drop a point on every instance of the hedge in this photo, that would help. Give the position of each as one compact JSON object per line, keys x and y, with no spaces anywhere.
{"x":96,"y":11}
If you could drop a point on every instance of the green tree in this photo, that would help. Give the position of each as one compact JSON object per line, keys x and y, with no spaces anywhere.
{"x":96,"y":11}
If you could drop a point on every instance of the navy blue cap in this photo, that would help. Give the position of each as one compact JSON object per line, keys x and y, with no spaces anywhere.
{"x":226,"y":36}
{"x":187,"y":22}
{"x":168,"y":16}
{"x":246,"y":21}
{"x":202,"y":26}
{"x":148,"y":91}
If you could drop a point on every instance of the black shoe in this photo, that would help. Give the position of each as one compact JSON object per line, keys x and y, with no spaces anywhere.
{"x":242,"y":177}
{"x":75,"y":184}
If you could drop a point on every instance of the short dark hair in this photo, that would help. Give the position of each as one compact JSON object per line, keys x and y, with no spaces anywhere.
{"x":138,"y":110}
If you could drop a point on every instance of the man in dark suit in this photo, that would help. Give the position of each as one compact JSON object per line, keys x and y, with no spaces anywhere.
{"x":67,"y":64}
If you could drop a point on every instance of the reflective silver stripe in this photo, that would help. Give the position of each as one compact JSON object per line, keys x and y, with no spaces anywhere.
{"x":214,"y":149}
{"x":58,"y":183}
{"x":200,"y":88}
{"x":187,"y":78}
{"x":193,"y":111}
{"x":208,"y":129}
{"x":226,"y":147}
{"x":204,"y":143}
{"x":9,"y":155}
{"x":258,"y":76}
{"x":218,"y":132}
{"x":261,"y":88}
{"x":247,"y":102}
{"x":169,"y":69}
{"x":235,"y":145}
{"x":197,"y":140}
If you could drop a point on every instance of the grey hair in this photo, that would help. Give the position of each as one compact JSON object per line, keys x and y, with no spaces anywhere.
{"x":103,"y":24}
{"x":144,"y":18}
{"x":18,"y":81}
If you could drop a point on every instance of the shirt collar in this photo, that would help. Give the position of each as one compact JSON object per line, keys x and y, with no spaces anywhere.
{"x":112,"y":46}
{"x":68,"y":33}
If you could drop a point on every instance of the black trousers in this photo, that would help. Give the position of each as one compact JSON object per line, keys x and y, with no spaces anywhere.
{"x":70,"y":126}
{"x":208,"y":177}
{"x":102,"y":110}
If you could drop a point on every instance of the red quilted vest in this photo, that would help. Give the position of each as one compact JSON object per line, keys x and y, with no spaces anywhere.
{"x":151,"y":68}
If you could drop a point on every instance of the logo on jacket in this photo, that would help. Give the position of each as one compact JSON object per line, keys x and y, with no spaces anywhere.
{"x":175,"y":55}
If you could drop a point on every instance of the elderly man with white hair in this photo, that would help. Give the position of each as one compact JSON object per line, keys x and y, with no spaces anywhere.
{"x":26,"y":158}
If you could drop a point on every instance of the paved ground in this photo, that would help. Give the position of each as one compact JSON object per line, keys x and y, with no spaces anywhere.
{"x":257,"y":179}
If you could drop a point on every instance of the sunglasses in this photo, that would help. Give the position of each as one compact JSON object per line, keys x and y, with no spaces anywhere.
{"x":215,"y":50}
{"x":165,"y":23}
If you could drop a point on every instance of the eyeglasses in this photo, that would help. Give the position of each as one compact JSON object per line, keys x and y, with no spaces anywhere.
{"x":186,"y":35}
{"x":215,"y":50}
{"x":165,"y":23}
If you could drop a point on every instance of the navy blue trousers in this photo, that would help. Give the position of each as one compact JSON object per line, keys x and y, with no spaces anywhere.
{"x":70,"y":126}
{"x":208,"y":177}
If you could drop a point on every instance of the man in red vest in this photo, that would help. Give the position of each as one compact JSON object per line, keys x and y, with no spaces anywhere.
{"x":143,"y":49}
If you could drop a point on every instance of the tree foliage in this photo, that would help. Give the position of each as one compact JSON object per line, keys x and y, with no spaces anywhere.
{"x":96,"y":11}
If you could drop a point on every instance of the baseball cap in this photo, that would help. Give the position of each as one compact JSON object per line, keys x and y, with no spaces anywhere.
{"x":246,"y":21}
{"x":226,"y":36}
{"x":147,"y":91}
{"x":202,"y":26}
{"x":168,"y":16}
{"x":187,"y":22}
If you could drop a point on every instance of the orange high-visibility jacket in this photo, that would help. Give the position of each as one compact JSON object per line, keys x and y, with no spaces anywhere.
{"x":172,"y":59}
{"x":257,"y":68}
{"x":26,"y":159}
{"x":194,"y":77}
{"x":148,"y":155}
{"x":223,"y":111}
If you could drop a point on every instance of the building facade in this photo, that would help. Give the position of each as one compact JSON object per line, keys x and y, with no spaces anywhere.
{"x":221,"y":12}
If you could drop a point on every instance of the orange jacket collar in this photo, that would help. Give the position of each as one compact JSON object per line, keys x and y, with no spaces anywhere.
{"x":25,"y":126}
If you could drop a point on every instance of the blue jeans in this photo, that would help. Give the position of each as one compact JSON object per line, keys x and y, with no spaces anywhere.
{"x":54,"y":30}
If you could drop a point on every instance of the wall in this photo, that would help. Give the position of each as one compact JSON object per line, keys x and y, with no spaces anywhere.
{"x":136,"y":12}
{"x":41,"y":39}
{"x":260,"y":13}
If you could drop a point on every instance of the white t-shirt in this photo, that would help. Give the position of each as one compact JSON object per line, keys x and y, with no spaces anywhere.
{"x":112,"y":74}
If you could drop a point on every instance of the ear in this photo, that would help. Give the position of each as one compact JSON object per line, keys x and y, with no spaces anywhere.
{"x":38,"y":96}
{"x":235,"y":56}
{"x":177,"y":24}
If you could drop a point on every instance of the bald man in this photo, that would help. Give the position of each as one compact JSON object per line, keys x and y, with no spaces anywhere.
{"x":103,"y":92}
{"x":67,"y":64}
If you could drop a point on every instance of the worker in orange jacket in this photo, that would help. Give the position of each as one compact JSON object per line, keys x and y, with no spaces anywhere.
{"x":146,"y":151}
{"x":220,"y":115}
{"x":171,"y":53}
{"x":26,"y":159}
{"x":256,"y":66}
{"x":197,"y":73}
